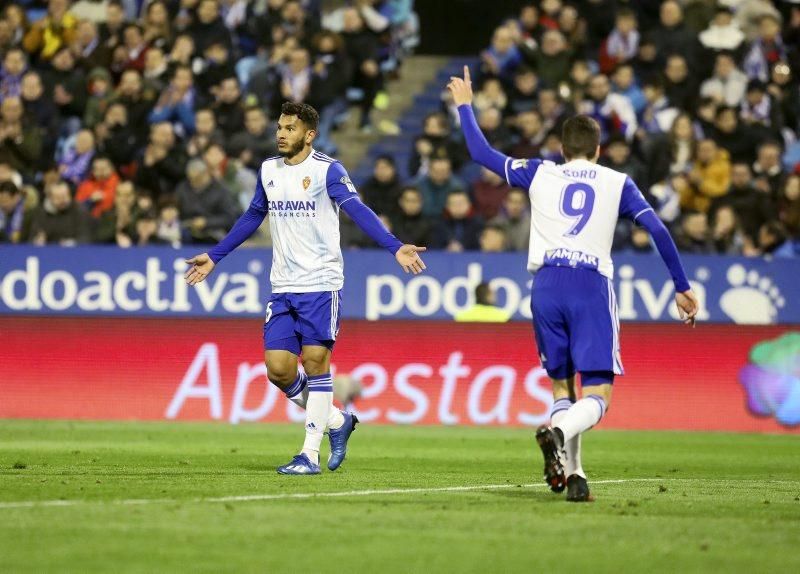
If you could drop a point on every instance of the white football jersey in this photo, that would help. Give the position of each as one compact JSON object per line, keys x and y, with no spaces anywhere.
{"x":574,"y":211}
{"x":303,"y":205}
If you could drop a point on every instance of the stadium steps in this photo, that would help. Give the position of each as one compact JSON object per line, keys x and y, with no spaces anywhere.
{"x":421,"y":100}
{"x":417,"y":72}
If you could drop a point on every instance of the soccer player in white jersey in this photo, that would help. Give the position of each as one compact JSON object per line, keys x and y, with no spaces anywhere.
{"x":302,"y":190}
{"x":574,"y":210}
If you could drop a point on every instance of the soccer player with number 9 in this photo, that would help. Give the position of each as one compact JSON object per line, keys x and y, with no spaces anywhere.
{"x":574,"y":211}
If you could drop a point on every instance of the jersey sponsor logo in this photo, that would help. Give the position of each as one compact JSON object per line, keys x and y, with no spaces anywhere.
{"x":306,"y":182}
{"x":293,"y":208}
{"x":568,"y":258}
{"x":519,"y":164}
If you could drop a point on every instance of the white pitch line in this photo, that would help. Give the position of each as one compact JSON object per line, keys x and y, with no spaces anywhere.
{"x":298,"y":495}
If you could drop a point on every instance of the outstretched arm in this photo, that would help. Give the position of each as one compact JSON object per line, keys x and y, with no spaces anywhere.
{"x":344,"y":193}
{"x":202,"y":265}
{"x":634,"y":206}
{"x":517,"y":172}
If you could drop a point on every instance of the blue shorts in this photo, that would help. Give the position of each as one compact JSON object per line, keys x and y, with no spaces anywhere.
{"x":575,"y":322}
{"x":294,"y":320}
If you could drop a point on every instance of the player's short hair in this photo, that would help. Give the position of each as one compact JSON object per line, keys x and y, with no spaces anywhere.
{"x":580,"y":137}
{"x":304,"y":112}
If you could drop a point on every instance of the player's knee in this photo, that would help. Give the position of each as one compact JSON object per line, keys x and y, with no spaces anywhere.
{"x":281,"y":373}
{"x":315,"y":366}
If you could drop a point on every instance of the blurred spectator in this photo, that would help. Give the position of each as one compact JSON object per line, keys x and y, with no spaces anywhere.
{"x":728,"y":84}
{"x":111,"y":27}
{"x":710,"y":176}
{"x":789,"y":205}
{"x":622,"y":44}
{"x":328,"y":86}
{"x":228,"y":106}
{"x":15,"y":215}
{"x":529,"y":134}
{"x":502,"y":57}
{"x":236,"y":178}
{"x":206,"y":206}
{"x":647,"y":64}
{"x":176,"y":102}
{"x":484,"y":309}
{"x":208,"y":27}
{"x":256,"y":142}
{"x":118,"y":224}
{"x":40,"y":110}
{"x":97,"y":192}
{"x":613,"y":112}
{"x":66,"y":84}
{"x":434,"y":142}
{"x":130,"y":94}
{"x":773,"y":241}
{"x":497,"y":134}
{"x":54,"y":31}
{"x":693,"y":236}
{"x":409,"y":224}
{"x":161,"y":165}
{"x":157,"y":26}
{"x":493,"y":239}
{"x":147,"y":229}
{"x":625,"y":85}
{"x":767,"y":48}
{"x":488,"y":193}
{"x":362,"y":49}
{"x":784,"y":93}
{"x":491,"y":95}
{"x":553,"y":110}
{"x":726,"y":232}
{"x":155,"y":74}
{"x":15,"y":63}
{"x":381,"y":191}
{"x":205,"y":133}
{"x":552,"y":61}
{"x":617,"y":155}
{"x":524,"y":93}
{"x":20,"y":143}
{"x":77,"y":158}
{"x":759,"y":112}
{"x":169,"y":224}
{"x":437,"y":185}
{"x":768,"y":167}
{"x":672,"y":36}
{"x":114,"y":137}
{"x":515,"y":219}
{"x":751,"y":206}
{"x":90,"y":52}
{"x":460,"y":229}
{"x":59,"y":219}
{"x":100,"y":86}
{"x":732,"y":136}
{"x":680,"y":86}
{"x":722,"y":33}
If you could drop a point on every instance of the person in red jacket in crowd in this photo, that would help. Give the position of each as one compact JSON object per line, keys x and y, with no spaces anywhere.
{"x":97,"y":192}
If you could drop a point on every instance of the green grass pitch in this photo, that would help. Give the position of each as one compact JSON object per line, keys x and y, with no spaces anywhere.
{"x":156,"y":497}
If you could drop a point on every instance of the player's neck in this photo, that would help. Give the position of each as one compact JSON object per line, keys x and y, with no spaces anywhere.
{"x":299,"y":158}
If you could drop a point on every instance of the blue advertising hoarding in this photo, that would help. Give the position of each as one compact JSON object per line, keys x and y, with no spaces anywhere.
{"x":149,"y":282}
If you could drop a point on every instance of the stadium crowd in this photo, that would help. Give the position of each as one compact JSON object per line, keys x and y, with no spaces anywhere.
{"x":139,"y":122}
{"x":698,"y":102}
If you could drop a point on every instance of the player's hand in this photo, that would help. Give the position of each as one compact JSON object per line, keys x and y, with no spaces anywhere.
{"x":687,"y":306}
{"x":409,"y":260}
{"x":461,"y":88}
{"x":201,"y":267}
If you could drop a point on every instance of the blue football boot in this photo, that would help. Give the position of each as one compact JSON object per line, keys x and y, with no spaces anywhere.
{"x":338,"y":439}
{"x":300,"y":465}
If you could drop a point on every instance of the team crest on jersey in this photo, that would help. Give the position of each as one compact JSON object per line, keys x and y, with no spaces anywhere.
{"x":306,"y":182}
{"x":519,"y":163}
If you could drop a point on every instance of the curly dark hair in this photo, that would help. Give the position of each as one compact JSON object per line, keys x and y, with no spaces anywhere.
{"x":304,"y":112}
